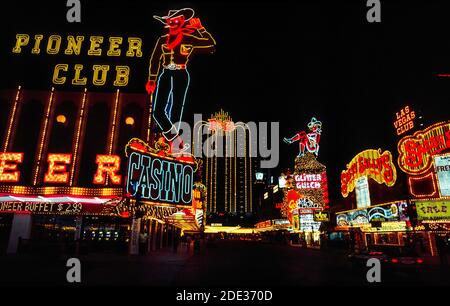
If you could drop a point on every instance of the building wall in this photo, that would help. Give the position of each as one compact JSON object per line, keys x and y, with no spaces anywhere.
{"x":92,"y":123}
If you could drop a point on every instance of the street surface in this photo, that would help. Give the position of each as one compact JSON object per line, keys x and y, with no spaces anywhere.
{"x":225,"y":264}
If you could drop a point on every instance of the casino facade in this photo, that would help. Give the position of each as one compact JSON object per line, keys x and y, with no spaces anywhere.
{"x":63,"y":172}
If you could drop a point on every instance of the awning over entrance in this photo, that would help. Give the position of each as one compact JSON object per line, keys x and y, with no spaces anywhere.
{"x":183,"y":220}
{"x":54,"y":199}
{"x":58,"y":205}
{"x":229,"y":230}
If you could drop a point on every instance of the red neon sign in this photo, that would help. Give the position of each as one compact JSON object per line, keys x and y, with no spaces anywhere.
{"x":404,"y":120}
{"x":309,"y":181}
{"x":416,"y":151}
{"x":424,"y":186}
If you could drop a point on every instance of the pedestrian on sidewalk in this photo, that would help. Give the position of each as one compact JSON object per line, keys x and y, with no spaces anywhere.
{"x":441,"y":246}
{"x":143,"y":237}
{"x":176,"y":241}
{"x":196,"y":245}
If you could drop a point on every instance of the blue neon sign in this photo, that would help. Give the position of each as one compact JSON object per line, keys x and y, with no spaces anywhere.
{"x":154,"y":178}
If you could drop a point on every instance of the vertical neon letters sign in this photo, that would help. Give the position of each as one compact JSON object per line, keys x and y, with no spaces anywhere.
{"x":8,"y":167}
{"x":57,"y":168}
{"x":168,"y":74}
{"x":154,"y":178}
{"x":107,"y":165}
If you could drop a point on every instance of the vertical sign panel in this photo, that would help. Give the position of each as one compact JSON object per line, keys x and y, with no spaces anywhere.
{"x":442,"y":166}
{"x":362,"y":192}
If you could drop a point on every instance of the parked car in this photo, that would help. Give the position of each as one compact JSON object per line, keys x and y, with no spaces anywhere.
{"x":389,"y":256}
{"x":359,"y":259}
{"x":401,"y":256}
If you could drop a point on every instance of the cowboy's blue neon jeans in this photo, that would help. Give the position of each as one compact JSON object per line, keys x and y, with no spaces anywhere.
{"x":170,"y":96}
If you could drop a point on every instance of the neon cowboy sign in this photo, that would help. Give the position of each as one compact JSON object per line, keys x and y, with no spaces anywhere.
{"x":168,"y":70}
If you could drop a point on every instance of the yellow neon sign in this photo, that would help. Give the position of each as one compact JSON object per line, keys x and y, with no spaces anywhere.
{"x":371,"y":163}
{"x":73,"y":45}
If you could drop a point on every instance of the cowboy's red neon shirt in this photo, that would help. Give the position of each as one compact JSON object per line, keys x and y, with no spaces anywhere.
{"x":199,"y":41}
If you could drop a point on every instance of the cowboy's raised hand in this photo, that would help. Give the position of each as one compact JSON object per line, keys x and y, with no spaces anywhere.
{"x":195,"y":23}
{"x":150,"y":87}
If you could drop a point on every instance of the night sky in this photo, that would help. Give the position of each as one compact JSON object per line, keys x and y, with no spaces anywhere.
{"x":275,"y":61}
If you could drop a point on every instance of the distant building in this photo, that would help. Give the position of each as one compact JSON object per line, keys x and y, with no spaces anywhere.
{"x":229,"y":171}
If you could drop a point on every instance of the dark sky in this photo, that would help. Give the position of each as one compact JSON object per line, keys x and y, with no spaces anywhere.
{"x":280,"y":61}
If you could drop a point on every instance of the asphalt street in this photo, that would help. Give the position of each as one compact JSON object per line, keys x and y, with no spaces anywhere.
{"x":225,"y":264}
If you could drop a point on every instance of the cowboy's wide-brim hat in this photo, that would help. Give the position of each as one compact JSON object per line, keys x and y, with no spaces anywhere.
{"x":314,"y":122}
{"x":187,"y":12}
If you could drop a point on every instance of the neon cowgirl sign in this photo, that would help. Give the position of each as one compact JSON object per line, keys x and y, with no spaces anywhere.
{"x":308,"y":141}
{"x":152,"y":177}
{"x":416,"y":151}
{"x":371,"y":163}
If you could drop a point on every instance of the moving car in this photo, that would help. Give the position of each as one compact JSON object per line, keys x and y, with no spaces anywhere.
{"x":389,"y":256}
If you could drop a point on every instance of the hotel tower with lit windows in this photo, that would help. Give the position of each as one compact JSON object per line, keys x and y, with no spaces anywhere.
{"x":229,"y":178}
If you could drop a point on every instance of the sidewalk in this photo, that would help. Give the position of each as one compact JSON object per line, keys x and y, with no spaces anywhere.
{"x":157,"y":268}
{"x":432,"y":261}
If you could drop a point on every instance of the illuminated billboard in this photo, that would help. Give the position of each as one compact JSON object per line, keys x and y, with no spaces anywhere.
{"x":373,"y":164}
{"x":169,"y":77}
{"x":308,"y":181}
{"x":389,"y":212}
{"x":404,"y":120}
{"x":108,"y":166}
{"x":362,"y":192}
{"x":307,"y":223}
{"x":433,"y":210}
{"x":442,"y":166}
{"x":416,"y":151}
{"x":159,"y":179}
{"x":68,"y":45}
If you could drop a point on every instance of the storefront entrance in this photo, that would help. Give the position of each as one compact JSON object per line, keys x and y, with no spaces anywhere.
{"x":5,"y":229}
